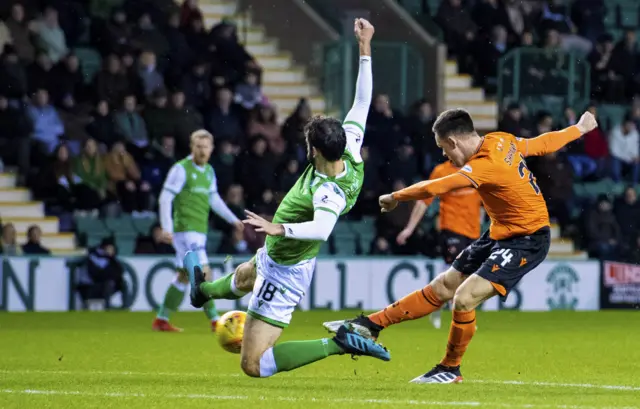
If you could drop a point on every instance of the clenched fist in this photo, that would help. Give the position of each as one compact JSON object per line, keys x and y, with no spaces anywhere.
{"x":363,"y":30}
{"x":587,"y":123}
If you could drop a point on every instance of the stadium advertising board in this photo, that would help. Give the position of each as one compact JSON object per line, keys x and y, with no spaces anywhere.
{"x":620,"y":285}
{"x":366,"y":283}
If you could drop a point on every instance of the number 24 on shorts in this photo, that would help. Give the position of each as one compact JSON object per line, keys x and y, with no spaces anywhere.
{"x":505,"y":254}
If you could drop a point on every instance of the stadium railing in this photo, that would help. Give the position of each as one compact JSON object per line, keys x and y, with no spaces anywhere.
{"x":544,"y":79}
{"x":398,"y":70}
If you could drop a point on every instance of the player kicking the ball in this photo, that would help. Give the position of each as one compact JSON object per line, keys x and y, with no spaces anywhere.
{"x":518,"y":240}
{"x":190,"y":190}
{"x":281,"y":272}
{"x":459,"y":221}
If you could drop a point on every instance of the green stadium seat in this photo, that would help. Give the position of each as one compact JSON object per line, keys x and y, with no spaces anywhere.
{"x":214,"y":238}
{"x":90,"y":61}
{"x":92,"y":225}
{"x":94,"y":239}
{"x":343,"y":227}
{"x":120,"y":225}
{"x":126,"y":243}
{"x":365,"y":241}
{"x":143,"y":225}
{"x":345,"y":244}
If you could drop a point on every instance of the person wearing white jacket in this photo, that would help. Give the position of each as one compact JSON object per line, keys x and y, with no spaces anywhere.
{"x":624,"y":145}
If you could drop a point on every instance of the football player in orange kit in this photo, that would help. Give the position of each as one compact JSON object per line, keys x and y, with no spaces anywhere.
{"x":459,"y":221}
{"x":517,"y":241}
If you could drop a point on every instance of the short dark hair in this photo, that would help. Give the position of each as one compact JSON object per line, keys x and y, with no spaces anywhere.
{"x":327,"y":136}
{"x":453,"y":122}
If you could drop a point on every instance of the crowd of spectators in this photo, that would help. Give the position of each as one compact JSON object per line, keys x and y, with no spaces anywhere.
{"x":103,"y":147}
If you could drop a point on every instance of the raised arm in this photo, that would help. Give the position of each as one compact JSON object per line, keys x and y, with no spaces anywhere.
{"x":553,"y":141}
{"x":356,"y":119}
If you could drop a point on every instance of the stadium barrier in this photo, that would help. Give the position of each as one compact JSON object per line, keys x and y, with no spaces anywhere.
{"x":361,"y":283}
{"x":620,"y":286}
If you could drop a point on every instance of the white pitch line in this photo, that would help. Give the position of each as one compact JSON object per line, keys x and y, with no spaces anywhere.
{"x":391,"y":402}
{"x":235,"y":375}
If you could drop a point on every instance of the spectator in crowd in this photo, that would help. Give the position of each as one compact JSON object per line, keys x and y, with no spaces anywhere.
{"x":189,"y":11}
{"x":157,"y":115}
{"x":293,"y":130}
{"x":20,"y":30}
{"x":624,"y":145}
{"x":404,"y":165}
{"x":603,"y":230}
{"x":235,"y":58}
{"x":290,"y":175}
{"x":48,"y":127}
{"x":556,"y":16}
{"x":627,"y":209}
{"x":15,"y":132}
{"x":102,"y":127}
{"x":459,"y":30}
{"x":264,"y":122}
{"x":131,"y":127}
{"x":225,"y":163}
{"x":419,"y":124}
{"x":258,"y":171}
{"x":513,"y":121}
{"x":197,"y":37}
{"x":596,"y":146}
{"x":589,"y":15}
{"x":606,"y":84}
{"x":50,"y":36}
{"x":150,"y":78}
{"x":92,"y":185}
{"x":13,"y":76}
{"x":196,"y":85}
{"x":624,"y":60}
{"x":247,"y":93}
{"x":555,"y":178}
{"x":111,"y":84}
{"x":157,"y":164}
{"x":384,"y":126}
{"x":125,"y":182}
{"x":5,"y":36}
{"x":117,"y":34}
{"x":147,"y":37}
{"x":488,"y":56}
{"x":33,"y":246}
{"x":69,"y":80}
{"x":186,"y":120}
{"x":583,"y":165}
{"x":388,"y":225}
{"x":180,"y":54}
{"x":9,"y":242}
{"x":40,"y":74}
{"x":102,"y":275}
{"x":57,"y":181}
{"x":223,"y":120}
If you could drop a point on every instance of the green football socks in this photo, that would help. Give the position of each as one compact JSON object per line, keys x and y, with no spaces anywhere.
{"x":294,"y":354}
{"x":172,"y":300}
{"x":210,"y":310}
{"x":222,"y":288}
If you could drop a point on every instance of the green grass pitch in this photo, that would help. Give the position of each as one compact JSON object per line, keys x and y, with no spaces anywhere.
{"x":516,"y":360}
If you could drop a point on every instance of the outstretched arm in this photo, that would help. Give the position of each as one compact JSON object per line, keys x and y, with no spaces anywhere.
{"x":424,"y":190}
{"x":218,"y":205}
{"x":553,"y":141}
{"x":356,"y":119}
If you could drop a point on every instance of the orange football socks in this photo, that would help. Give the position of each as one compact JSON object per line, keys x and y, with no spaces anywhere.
{"x":462,"y":329}
{"x":415,"y":305}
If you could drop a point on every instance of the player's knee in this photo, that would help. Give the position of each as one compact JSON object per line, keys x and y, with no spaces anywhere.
{"x":463,"y":301}
{"x":251,"y":367}
{"x":245,"y":276}
{"x":444,"y":287}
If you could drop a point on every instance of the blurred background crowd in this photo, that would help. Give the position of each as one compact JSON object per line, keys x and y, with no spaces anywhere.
{"x":98,"y":99}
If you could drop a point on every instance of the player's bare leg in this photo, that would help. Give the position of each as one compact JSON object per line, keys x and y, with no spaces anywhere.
{"x":172,"y":300}
{"x":232,"y":286}
{"x":473,"y":292}
{"x":413,"y":306}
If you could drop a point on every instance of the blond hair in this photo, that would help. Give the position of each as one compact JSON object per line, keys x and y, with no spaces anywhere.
{"x":201,"y":134}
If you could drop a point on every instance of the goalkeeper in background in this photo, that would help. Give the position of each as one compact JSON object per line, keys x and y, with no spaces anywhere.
{"x":189,"y":192}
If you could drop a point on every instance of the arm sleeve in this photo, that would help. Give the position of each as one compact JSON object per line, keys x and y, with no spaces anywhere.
{"x":435,"y":174}
{"x":328,"y":202}
{"x":430,"y":188}
{"x":173,"y":184}
{"x":548,"y":142}
{"x":220,"y":208}
{"x":356,"y":119}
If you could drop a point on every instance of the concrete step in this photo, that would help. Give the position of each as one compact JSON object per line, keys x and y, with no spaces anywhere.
{"x":7,"y":180}
{"x":261,"y":49}
{"x":485,"y":123}
{"x":461,"y":81}
{"x":283,"y":77}
{"x":451,"y":68}
{"x":21,"y":209}
{"x":561,"y":246}
{"x":555,"y":231}
{"x":475,"y":107}
{"x":471,"y":94}
{"x":577,"y":255}
{"x":68,"y":252}
{"x":48,"y":225}
{"x":218,"y":7}
{"x":253,"y":36}
{"x":211,"y":19}
{"x":53,"y":241}
{"x":14,"y":195}
{"x":299,"y":90}
{"x":288,"y":104}
{"x":275,"y":62}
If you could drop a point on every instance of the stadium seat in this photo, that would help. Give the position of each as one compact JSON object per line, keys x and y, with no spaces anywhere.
{"x":325,"y":249}
{"x":126,"y":243}
{"x":345,"y":243}
{"x":214,"y":238}
{"x":90,"y":61}
{"x":120,"y":225}
{"x":143,"y":225}
{"x":92,"y":225}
